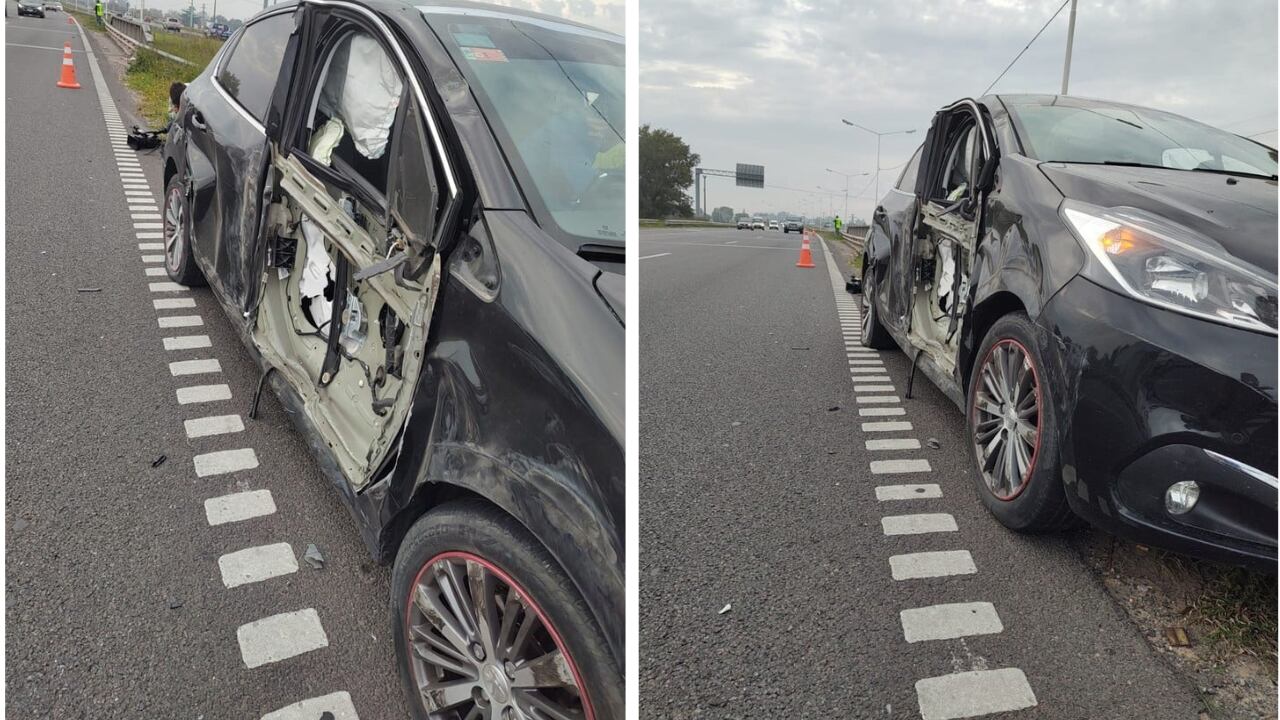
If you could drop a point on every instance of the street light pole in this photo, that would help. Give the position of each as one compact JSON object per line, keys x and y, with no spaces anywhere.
{"x":878,"y":136}
{"x":1071,"y":36}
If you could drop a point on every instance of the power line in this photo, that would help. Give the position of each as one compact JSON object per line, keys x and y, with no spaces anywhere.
{"x":1033,"y":39}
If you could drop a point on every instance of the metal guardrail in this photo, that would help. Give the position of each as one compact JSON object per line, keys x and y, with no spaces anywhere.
{"x":132,"y":35}
{"x":682,"y":222}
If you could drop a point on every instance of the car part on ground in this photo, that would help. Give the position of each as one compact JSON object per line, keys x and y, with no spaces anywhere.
{"x":1124,"y":273}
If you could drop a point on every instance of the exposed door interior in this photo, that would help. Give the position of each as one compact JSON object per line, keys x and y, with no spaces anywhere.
{"x":942,"y":252}
{"x":352,"y":274}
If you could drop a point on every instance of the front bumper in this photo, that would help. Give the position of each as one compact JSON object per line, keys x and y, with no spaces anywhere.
{"x":1151,"y":397}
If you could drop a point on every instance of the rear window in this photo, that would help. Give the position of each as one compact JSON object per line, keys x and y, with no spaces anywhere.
{"x":249,"y":74}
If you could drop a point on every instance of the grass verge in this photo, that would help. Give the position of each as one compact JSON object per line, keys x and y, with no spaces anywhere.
{"x":87,"y":21}
{"x":149,"y":75}
{"x":199,"y":50}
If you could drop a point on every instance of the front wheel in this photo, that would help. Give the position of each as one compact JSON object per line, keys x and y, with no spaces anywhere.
{"x":178,"y":261}
{"x":487,"y":625}
{"x":1012,"y":423}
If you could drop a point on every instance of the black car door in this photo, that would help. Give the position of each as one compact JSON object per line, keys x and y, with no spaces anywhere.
{"x":227,"y":154}
{"x":895,"y":217}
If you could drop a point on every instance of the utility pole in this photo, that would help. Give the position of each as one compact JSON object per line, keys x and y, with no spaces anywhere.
{"x":1071,"y":36}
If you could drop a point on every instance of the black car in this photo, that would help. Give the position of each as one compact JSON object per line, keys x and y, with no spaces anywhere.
{"x":31,"y":7}
{"x":414,"y":218}
{"x":1094,"y":284}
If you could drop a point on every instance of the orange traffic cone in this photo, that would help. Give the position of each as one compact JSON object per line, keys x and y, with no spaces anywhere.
{"x":806,"y":259}
{"x":68,"y":69}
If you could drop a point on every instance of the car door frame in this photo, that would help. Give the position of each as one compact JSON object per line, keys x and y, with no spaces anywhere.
{"x":227,"y":259}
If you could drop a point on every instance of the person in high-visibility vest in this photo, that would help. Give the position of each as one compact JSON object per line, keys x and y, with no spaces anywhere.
{"x":97,"y":9}
{"x":838,"y":224}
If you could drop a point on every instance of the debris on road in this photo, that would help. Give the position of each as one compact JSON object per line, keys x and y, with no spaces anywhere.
{"x":726,"y":608}
{"x":1177,"y":637}
{"x":797,"y":347}
{"x":159,"y":461}
{"x":89,"y":289}
{"x":736,"y":423}
{"x":833,"y":408}
{"x":174,"y":603}
{"x":933,"y":443}
{"x":313,"y":556}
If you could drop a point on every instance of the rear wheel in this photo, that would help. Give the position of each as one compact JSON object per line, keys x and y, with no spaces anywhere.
{"x":874,"y":334}
{"x":487,"y":625}
{"x":1013,"y":431}
{"x":178,"y":261}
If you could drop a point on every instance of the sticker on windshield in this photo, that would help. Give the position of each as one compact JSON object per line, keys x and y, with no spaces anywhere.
{"x":468,"y":39}
{"x":484,"y":54}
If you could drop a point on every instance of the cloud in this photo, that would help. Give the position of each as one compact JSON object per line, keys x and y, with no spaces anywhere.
{"x":767,"y":81}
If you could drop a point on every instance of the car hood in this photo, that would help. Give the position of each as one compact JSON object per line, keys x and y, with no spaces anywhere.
{"x":1240,"y":216}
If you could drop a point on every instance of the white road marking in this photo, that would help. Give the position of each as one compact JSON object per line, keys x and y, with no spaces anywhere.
{"x":649,"y":257}
{"x":186,"y":342}
{"x":203,"y":394}
{"x":151,"y":236}
{"x":144,"y":198}
{"x":173,"y":303}
{"x":866,"y":361}
{"x":151,"y":246}
{"x":918,"y":524}
{"x":867,"y":369}
{"x":145,"y":216}
{"x":968,"y":694}
{"x":338,"y":704}
{"x":225,"y":461}
{"x":173,"y":321}
{"x":912,"y":566}
{"x":897,"y":467}
{"x":872,"y":388}
{"x":239,"y":506}
{"x":148,"y":226}
{"x":153,"y":258}
{"x":166,"y":287}
{"x":876,"y":399}
{"x":950,"y":621}
{"x":893,"y":444}
{"x":886,"y":426}
{"x":255,"y":564}
{"x":280,"y":637}
{"x":215,"y":425}
{"x":194,"y":367}
{"x":925,"y":491}
{"x":156,"y":272}
{"x":881,"y":412}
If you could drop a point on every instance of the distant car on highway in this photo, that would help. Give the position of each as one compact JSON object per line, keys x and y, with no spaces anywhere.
{"x":53,"y":6}
{"x":218,"y":30}
{"x":757,"y":223}
{"x":33,"y":8}
{"x":173,"y":25}
{"x":456,"y":366}
{"x":793,"y":225}
{"x":773,"y":224}
{"x":744,"y":223}
{"x":1094,"y":284}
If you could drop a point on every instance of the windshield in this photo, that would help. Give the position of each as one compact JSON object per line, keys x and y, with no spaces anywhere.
{"x":1089,"y":132}
{"x":554,"y":95}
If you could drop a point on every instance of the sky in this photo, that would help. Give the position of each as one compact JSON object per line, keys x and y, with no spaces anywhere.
{"x":604,"y":14}
{"x":767,"y":82}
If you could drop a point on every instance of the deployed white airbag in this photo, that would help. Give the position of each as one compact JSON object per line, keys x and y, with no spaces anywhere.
{"x":362,"y":89}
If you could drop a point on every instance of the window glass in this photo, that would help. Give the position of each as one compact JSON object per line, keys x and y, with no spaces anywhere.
{"x":907,"y":182}
{"x":555,"y":94}
{"x":1090,"y":132}
{"x":249,"y":74}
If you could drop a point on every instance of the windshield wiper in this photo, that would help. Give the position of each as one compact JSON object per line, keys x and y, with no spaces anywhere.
{"x":593,"y":252}
{"x":1217,"y":171}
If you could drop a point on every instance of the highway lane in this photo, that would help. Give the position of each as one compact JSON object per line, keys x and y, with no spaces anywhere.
{"x":118,"y":602}
{"x":758,"y":493}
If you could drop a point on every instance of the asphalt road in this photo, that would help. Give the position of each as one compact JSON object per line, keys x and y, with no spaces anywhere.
{"x":757,"y":494}
{"x":116,"y":605}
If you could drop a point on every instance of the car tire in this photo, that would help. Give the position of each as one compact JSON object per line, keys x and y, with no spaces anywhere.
{"x":1038,"y":501}
{"x":478,"y":537}
{"x":179,"y":261}
{"x":874,"y":333}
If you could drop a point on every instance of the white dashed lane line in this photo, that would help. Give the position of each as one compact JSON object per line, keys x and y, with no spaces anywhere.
{"x":960,"y":694}
{"x":276,"y":637}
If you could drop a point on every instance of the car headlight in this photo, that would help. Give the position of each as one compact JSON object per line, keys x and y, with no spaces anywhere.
{"x":1173,"y":267}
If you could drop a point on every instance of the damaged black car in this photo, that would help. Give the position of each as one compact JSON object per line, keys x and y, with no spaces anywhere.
{"x":413,"y":217}
{"x":1094,"y":285}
